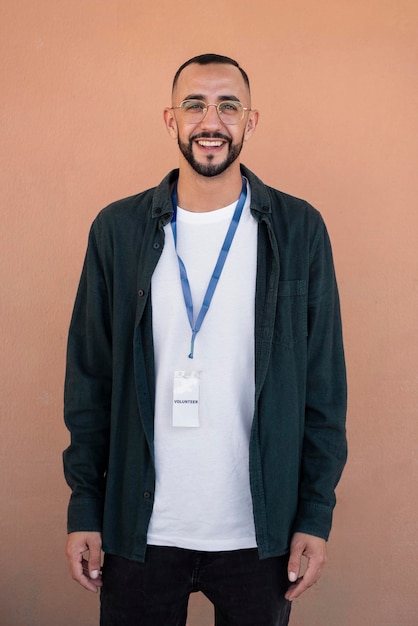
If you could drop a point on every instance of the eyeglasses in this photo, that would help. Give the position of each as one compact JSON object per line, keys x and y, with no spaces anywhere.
{"x":229,"y":111}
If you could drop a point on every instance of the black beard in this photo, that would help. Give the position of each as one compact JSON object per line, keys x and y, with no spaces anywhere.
{"x":208,"y":169}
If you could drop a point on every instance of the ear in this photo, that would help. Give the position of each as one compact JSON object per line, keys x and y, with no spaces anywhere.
{"x":251,"y":124}
{"x":171,"y":123}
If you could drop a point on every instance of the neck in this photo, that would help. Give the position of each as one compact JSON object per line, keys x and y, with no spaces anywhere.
{"x":201,"y":194}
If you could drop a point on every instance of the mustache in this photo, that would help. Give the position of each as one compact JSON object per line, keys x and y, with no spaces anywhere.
{"x":206,"y":135}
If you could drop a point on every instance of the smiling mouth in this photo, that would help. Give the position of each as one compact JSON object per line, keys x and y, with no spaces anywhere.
{"x":206,"y":140}
{"x":207,"y":143}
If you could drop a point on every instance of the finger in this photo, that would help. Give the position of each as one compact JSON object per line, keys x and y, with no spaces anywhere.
{"x":83,"y":578}
{"x":77,"y":545}
{"x":302,"y":584}
{"x":95,"y":553}
{"x":88,"y":579}
{"x":310,"y":577}
{"x":80,"y":573}
{"x":294,"y":564}
{"x":293,"y":591}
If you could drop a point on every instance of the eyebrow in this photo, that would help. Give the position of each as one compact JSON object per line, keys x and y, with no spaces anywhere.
{"x":199,"y":96}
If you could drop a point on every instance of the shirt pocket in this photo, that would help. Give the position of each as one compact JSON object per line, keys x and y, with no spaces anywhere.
{"x":291,"y":316}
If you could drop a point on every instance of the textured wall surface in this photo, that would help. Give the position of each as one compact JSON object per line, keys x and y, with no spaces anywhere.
{"x":83,"y":85}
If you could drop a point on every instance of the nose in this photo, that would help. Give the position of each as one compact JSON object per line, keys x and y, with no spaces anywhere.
{"x":211,"y":119}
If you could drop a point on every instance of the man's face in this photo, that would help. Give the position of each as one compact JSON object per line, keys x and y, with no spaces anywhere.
{"x":210,"y":146}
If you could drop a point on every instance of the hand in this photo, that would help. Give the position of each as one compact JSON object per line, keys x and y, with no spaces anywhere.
{"x":315,"y":550}
{"x":86,"y":572}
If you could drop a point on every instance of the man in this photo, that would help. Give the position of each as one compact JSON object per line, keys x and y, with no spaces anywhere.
{"x":205,"y":389}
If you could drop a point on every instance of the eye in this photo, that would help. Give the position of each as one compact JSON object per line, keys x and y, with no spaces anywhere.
{"x":194,"y":106}
{"x":229,"y":106}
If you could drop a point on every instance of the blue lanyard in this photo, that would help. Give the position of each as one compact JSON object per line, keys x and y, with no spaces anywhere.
{"x":218,"y":267}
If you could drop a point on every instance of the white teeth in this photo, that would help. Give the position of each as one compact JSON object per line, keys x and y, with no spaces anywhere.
{"x":209,"y":144}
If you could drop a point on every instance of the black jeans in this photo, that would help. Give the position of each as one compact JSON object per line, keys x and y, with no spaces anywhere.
{"x":244,"y":590}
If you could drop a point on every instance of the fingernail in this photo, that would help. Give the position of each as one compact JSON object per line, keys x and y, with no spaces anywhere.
{"x":94,"y":573}
{"x":292,"y":577}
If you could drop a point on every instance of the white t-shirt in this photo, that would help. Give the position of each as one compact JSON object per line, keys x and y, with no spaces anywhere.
{"x":202,"y":495}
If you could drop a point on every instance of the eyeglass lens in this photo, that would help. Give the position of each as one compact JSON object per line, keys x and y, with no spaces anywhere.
{"x":229,"y":111}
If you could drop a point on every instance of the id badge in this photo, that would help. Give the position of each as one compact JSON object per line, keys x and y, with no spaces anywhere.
{"x":186,"y":398}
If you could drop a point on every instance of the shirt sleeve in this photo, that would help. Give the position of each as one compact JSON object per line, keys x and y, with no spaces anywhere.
{"x":87,"y":394}
{"x":324,"y":450}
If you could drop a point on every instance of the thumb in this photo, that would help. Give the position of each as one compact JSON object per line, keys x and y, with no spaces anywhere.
{"x":293,"y":567}
{"x":95,"y":557}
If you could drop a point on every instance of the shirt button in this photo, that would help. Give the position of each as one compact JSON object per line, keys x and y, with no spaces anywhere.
{"x":147,"y":495}
{"x":156,"y":246}
{"x":141,"y":292}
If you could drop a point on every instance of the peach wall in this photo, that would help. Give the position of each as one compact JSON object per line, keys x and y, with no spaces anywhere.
{"x":82,"y":86}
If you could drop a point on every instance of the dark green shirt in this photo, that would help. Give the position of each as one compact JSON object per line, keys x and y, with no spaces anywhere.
{"x":298,"y":443}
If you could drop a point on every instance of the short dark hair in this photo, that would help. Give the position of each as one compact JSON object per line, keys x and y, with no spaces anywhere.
{"x":207,"y":59}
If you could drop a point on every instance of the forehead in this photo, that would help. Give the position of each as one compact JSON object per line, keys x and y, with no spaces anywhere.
{"x":215,"y":80}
